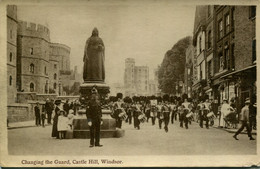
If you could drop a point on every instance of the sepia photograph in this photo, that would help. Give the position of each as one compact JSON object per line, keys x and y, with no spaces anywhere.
{"x":128,"y":83}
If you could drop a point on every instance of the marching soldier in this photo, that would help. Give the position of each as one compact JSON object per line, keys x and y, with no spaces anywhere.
{"x":136,"y":113}
{"x":160,"y":113}
{"x":185,"y":111}
{"x":205,"y":110}
{"x":166,"y":112}
{"x":118,"y":109}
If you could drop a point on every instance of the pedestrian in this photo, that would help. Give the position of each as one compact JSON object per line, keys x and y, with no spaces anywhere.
{"x":70,"y":119}
{"x":205,"y":110}
{"x":66,"y":107}
{"x":160,"y":114}
{"x":252,"y":116}
{"x":62,"y":124}
{"x":49,"y":108}
{"x":43,"y":115}
{"x":244,"y":118}
{"x":94,"y":118}
{"x":55,"y":119}
{"x":223,"y":112}
{"x":37,"y":114}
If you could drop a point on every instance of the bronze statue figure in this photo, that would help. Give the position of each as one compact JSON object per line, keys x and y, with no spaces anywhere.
{"x":94,"y":59}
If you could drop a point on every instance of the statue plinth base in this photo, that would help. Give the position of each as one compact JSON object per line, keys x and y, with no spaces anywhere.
{"x":86,"y":87}
{"x":80,"y":123}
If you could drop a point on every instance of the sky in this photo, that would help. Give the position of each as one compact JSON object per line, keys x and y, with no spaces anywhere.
{"x":143,"y":31}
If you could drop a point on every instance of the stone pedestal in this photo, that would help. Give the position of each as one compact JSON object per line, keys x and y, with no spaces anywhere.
{"x":80,"y":124}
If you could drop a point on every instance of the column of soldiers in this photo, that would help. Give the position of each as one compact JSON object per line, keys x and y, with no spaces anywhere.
{"x":166,"y":109}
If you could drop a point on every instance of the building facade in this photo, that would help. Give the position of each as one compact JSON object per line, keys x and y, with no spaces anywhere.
{"x":11,"y":52}
{"x":229,"y":50}
{"x":136,"y":78}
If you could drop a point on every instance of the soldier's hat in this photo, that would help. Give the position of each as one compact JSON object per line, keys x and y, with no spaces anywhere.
{"x":166,"y":97}
{"x":119,"y":95}
{"x":57,"y":102}
{"x":184,"y":96}
{"x":153,"y":97}
{"x":159,"y":99}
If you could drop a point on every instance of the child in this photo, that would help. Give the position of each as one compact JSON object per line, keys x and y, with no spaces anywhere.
{"x":62,"y":124}
{"x":70,"y":118}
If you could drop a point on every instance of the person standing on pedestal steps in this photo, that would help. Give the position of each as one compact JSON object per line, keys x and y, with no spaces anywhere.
{"x":94,"y":118}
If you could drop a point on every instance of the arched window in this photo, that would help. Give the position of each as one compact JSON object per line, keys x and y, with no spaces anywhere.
{"x":55,"y":76}
{"x":11,"y":57}
{"x":31,"y":87}
{"x":10,"y":80}
{"x":54,"y":85}
{"x":32,"y":68}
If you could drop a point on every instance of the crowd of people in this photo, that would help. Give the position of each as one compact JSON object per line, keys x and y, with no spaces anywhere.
{"x":168,"y":109}
{"x":149,"y":109}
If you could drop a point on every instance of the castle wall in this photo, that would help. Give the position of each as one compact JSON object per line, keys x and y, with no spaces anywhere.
{"x":33,"y":57}
{"x":11,"y":52}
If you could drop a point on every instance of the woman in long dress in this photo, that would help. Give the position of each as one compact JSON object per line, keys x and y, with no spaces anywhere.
{"x":55,"y":119}
{"x":225,"y":110}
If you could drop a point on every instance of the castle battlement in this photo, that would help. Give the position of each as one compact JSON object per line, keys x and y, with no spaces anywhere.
{"x":12,"y":12}
{"x":33,"y":30}
{"x":61,"y":46}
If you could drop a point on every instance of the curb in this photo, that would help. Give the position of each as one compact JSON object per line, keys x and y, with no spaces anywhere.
{"x":27,"y":126}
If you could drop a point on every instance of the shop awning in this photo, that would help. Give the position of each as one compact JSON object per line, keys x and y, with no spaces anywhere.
{"x":238,"y":72}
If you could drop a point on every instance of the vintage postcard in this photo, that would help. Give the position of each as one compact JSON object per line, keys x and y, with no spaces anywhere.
{"x":127,"y":83}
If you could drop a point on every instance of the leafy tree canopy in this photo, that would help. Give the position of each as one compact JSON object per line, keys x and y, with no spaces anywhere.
{"x":173,"y":66}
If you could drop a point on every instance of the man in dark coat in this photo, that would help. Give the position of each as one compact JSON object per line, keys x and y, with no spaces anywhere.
{"x":37,"y":114}
{"x":94,"y":115}
{"x":49,"y":108}
{"x":66,"y":107}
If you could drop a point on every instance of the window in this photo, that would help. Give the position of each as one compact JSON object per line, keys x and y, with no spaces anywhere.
{"x":232,"y":58}
{"x":31,"y":51}
{"x":31,"y":68}
{"x":55,"y":66}
{"x":55,"y":76}
{"x":31,"y":87}
{"x":10,"y":80}
{"x":220,"y":29}
{"x":11,"y":34}
{"x":226,"y":58}
{"x":45,"y":70}
{"x":208,"y":10}
{"x":221,"y":61}
{"x":11,"y":57}
{"x":200,"y":41}
{"x":54,"y":85}
{"x":227,"y":24}
{"x":233,"y":18}
{"x":254,"y":50}
{"x":210,"y":73}
{"x":209,"y":39}
{"x":252,"y":12}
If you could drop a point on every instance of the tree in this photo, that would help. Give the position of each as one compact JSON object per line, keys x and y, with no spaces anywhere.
{"x":172,"y":68}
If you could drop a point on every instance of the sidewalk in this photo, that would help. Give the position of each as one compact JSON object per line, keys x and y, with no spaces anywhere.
{"x":231,"y":130}
{"x":23,"y":124}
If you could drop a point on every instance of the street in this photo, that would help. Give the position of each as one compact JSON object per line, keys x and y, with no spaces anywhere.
{"x":150,"y":140}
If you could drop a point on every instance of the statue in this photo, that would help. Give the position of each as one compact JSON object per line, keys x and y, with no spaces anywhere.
{"x":94,"y":59}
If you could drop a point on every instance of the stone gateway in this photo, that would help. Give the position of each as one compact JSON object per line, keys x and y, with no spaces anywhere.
{"x":94,"y":58}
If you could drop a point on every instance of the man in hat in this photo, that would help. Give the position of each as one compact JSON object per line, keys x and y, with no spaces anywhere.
{"x":244,"y":118}
{"x":94,"y":118}
{"x":37,"y":114}
{"x":49,"y":108}
{"x":66,"y":107}
{"x":166,"y":113}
